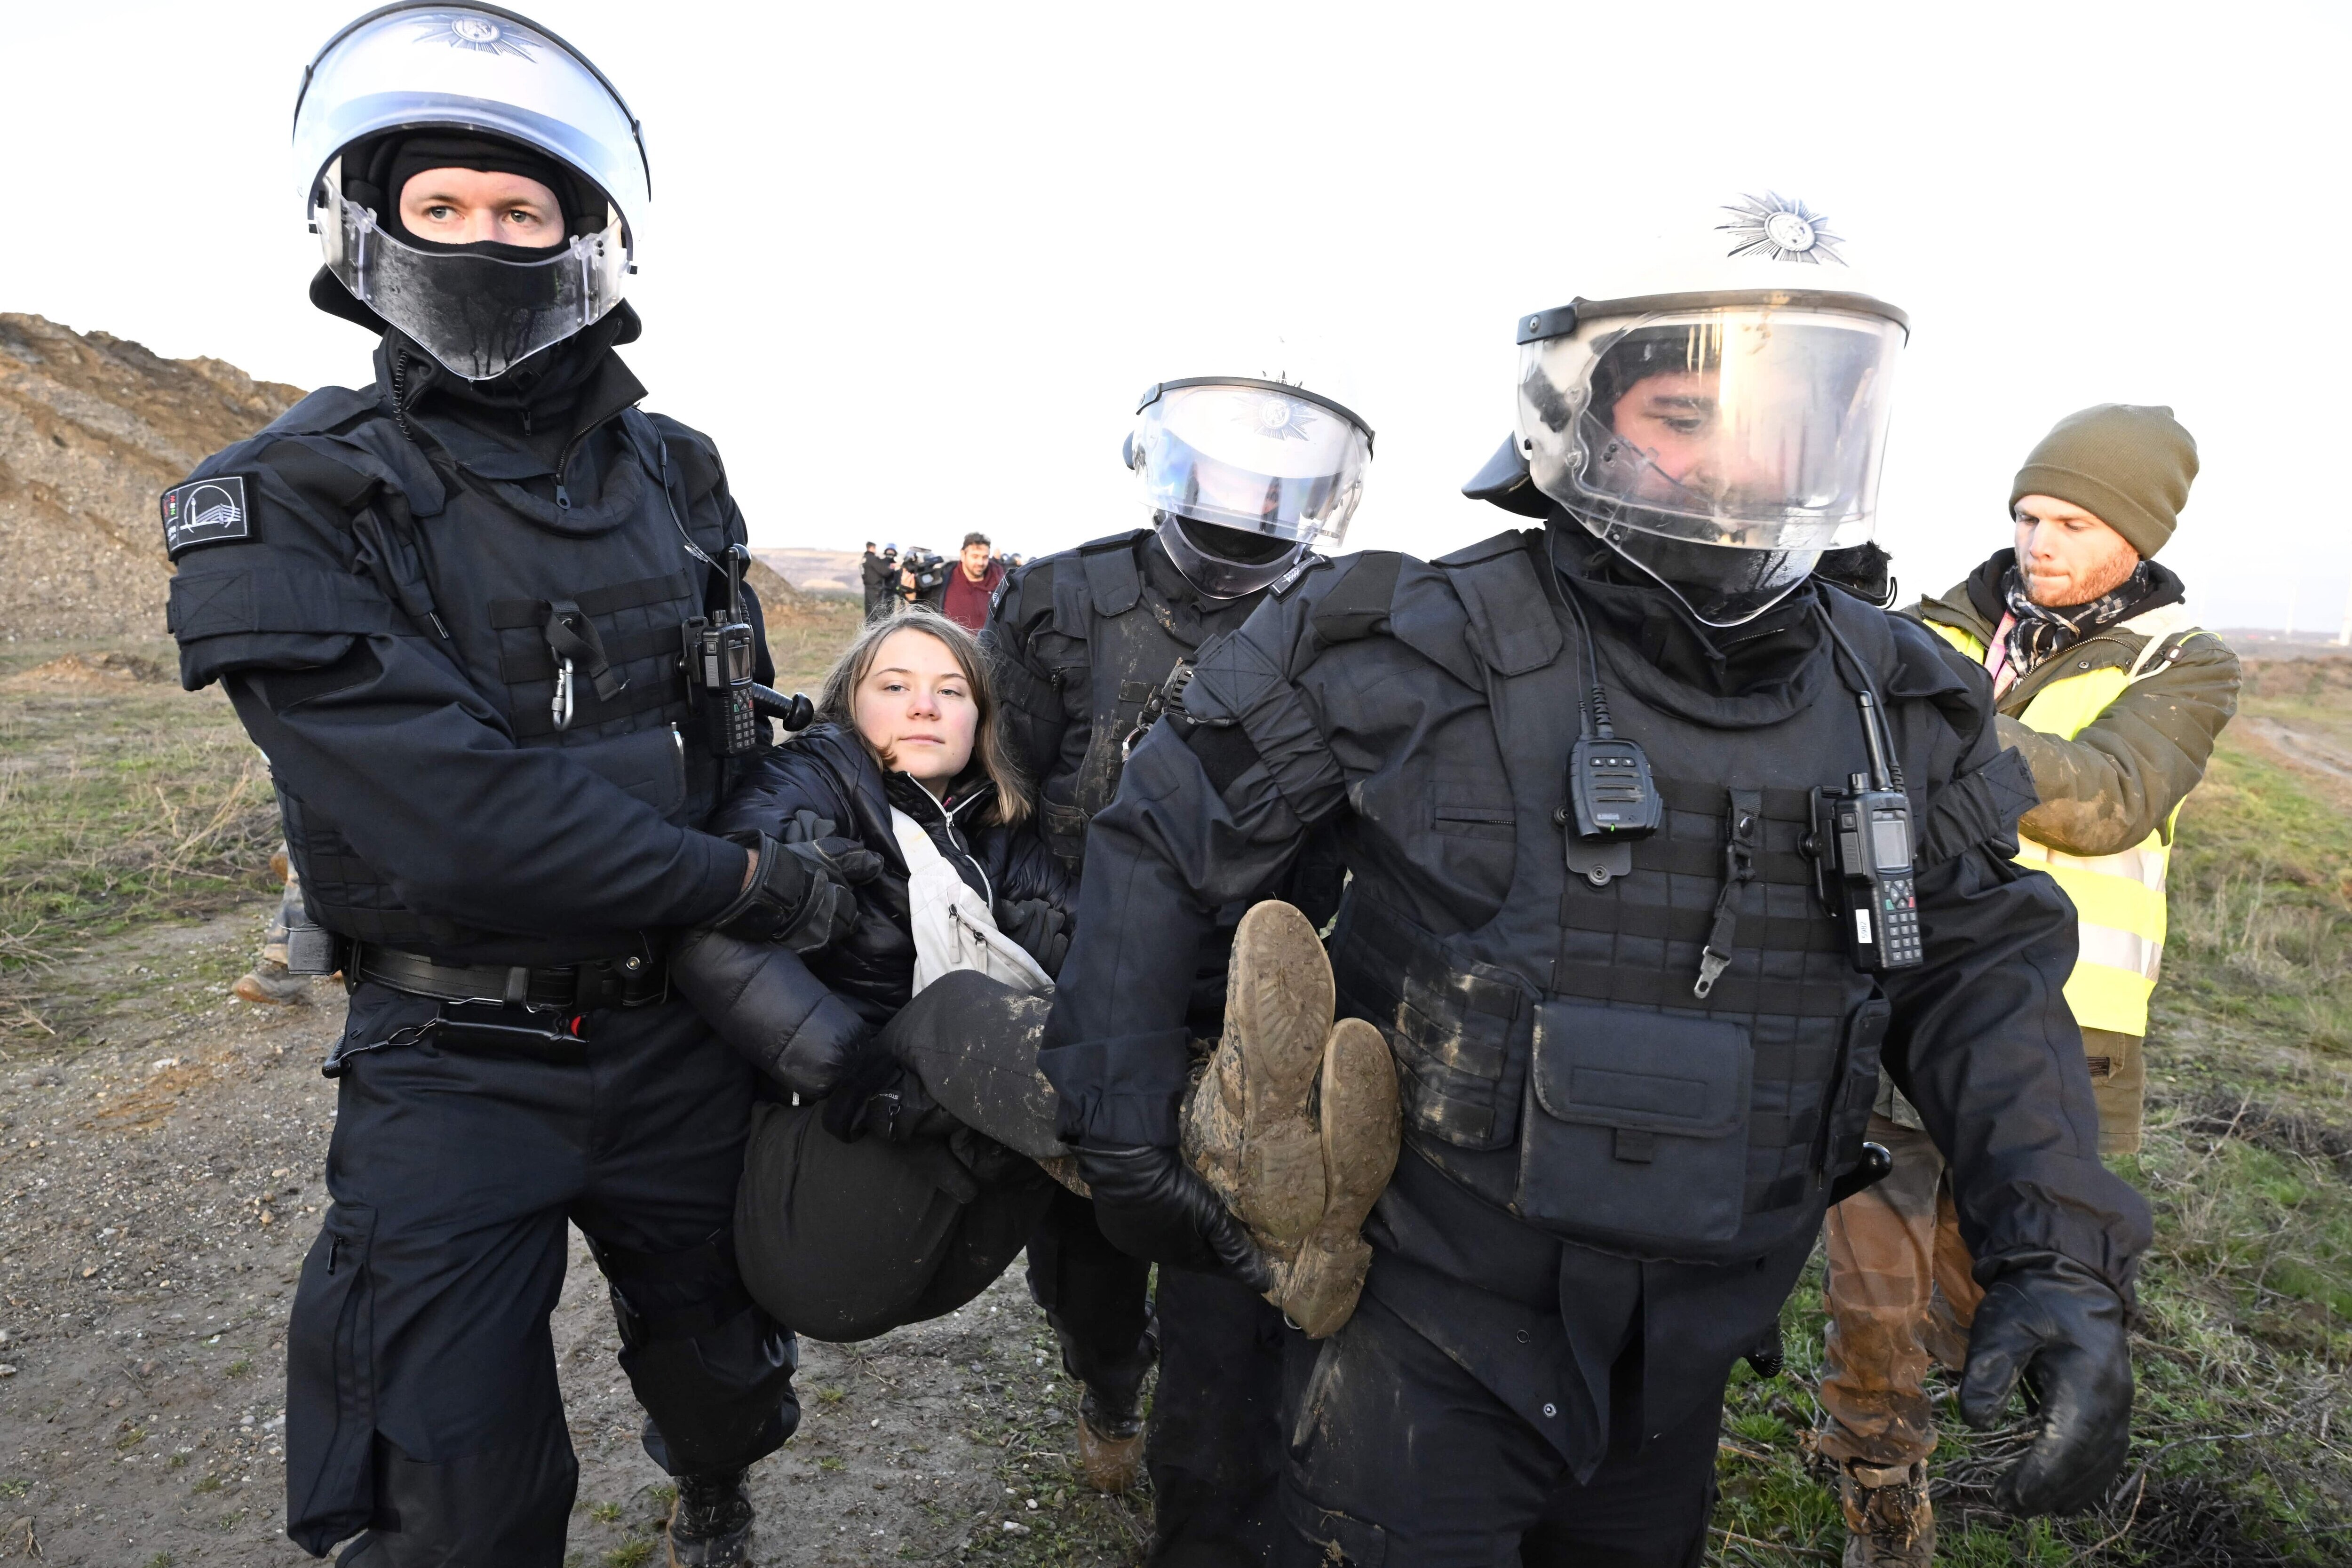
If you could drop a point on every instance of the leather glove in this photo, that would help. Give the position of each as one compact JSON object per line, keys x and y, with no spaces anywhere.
{"x":2061,"y":1328}
{"x":1040,"y":928}
{"x":1151,"y":1204}
{"x":794,"y":899}
{"x":816,"y":840}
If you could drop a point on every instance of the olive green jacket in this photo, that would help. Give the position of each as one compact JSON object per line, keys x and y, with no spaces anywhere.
{"x":2122,"y":777}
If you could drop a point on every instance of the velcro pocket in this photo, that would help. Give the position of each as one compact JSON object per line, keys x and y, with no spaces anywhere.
{"x":1455,"y":1025}
{"x":1637,"y":1127}
{"x":1471,"y":819}
{"x":330,"y":1386}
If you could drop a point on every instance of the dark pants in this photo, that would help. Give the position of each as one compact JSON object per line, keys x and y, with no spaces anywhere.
{"x":422,"y":1403}
{"x":1214,"y":1445}
{"x":1097,"y":1299}
{"x":1397,"y":1459}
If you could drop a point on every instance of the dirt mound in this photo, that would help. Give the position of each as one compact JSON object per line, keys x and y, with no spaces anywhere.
{"x":92,"y":428}
{"x":2327,"y":676}
{"x":818,"y":571}
{"x":779,"y":599}
{"x":89,"y":671}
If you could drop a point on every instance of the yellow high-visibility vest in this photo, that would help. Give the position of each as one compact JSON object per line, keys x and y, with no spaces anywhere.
{"x":2119,"y":898}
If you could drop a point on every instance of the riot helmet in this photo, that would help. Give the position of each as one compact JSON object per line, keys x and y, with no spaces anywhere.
{"x":1722,"y":436}
{"x":419,"y":85}
{"x":1245,"y":476}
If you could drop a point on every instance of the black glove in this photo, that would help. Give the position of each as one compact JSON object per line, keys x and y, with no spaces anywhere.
{"x":2062,"y":1327}
{"x":1040,"y":928}
{"x":815,"y":840}
{"x":795,"y":898}
{"x":1151,"y":1204}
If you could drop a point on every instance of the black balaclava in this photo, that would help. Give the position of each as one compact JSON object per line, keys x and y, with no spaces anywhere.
{"x":376,"y":174}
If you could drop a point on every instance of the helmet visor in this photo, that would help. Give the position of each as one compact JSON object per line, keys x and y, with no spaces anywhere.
{"x":1749,"y":425}
{"x":1254,"y":456}
{"x":479,"y":314}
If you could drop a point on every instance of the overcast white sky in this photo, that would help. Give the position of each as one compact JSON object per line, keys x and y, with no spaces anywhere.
{"x":911,"y":263}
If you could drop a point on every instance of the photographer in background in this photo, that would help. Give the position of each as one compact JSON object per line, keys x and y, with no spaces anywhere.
{"x":922,"y":577}
{"x":972,"y":584}
{"x":2113,"y":697}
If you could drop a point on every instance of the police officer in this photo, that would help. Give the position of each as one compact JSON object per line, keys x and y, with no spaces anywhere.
{"x":452,"y":606}
{"x":1587,"y":779}
{"x":1246,"y":479}
{"x":879,"y":572}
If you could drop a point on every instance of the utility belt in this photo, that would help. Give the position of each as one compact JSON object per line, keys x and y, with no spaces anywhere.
{"x":538,"y":1011}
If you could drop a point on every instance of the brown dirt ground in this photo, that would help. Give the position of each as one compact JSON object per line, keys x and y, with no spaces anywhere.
{"x":159,"y":1191}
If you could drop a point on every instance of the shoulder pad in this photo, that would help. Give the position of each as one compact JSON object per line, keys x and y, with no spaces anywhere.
{"x":328,"y":409}
{"x":1357,"y":599}
{"x":694,"y":455}
{"x":1924,"y":664}
{"x":1512,"y":626}
{"x":1113,"y":581}
{"x":1511,"y":541}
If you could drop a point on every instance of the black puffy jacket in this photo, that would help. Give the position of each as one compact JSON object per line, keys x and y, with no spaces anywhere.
{"x":800,"y":1016}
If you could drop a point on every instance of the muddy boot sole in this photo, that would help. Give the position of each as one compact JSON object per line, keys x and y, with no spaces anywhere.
{"x":1360,"y":1131}
{"x":1248,"y":1129}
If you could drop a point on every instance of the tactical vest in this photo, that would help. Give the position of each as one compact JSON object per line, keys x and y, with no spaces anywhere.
{"x":1127,"y":627}
{"x":2119,"y":898}
{"x":506,"y":585}
{"x":1556,"y":1060}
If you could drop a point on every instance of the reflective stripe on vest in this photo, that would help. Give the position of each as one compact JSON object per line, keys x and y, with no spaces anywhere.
{"x":2118,"y":899}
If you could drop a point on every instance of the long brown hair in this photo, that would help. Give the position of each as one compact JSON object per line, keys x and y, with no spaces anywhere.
{"x":837,"y":702}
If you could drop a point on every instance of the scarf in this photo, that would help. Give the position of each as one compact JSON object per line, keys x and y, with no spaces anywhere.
{"x":2041,"y":632}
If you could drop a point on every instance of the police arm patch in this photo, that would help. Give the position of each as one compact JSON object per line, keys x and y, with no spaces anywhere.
{"x":206,"y":511}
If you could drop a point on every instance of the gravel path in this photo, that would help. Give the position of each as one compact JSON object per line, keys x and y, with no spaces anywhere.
{"x":157,"y":1194}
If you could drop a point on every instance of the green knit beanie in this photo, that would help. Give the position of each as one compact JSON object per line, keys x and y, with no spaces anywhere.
{"x":2127,"y":464}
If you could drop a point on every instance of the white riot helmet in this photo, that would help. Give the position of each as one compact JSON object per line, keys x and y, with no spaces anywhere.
{"x":1246,"y":476}
{"x":483,"y":72}
{"x":1721,"y":421}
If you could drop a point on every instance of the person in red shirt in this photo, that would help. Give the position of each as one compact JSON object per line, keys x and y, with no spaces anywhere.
{"x":972,"y":583}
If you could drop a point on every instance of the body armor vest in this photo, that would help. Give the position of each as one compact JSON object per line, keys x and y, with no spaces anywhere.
{"x":1556,"y":1060}
{"x":509,"y":587}
{"x":1133,"y":641}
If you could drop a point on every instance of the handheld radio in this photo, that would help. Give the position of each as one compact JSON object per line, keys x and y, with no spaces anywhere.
{"x":1611,"y":800}
{"x":721,"y":659}
{"x":1862,"y":849}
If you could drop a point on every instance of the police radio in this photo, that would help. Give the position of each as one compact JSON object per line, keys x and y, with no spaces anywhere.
{"x":1861,"y":846}
{"x":721,"y":660}
{"x":1612,"y":799}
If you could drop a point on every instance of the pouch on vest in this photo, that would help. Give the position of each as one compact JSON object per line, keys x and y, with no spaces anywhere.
{"x":1642,"y":1117}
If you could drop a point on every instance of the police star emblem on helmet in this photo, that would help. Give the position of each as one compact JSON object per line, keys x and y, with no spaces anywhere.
{"x":1778,"y":230}
{"x":465,"y":30}
{"x":1276,"y":417}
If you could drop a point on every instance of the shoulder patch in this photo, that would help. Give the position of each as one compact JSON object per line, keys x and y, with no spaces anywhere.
{"x":206,"y":511}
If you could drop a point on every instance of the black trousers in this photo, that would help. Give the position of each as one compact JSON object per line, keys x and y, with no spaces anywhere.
{"x":1213,"y":1443}
{"x":1397,"y":1459}
{"x":422,"y":1403}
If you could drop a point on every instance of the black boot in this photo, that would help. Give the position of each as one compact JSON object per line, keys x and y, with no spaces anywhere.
{"x":710,"y":1526}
